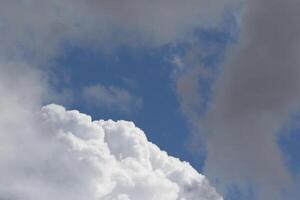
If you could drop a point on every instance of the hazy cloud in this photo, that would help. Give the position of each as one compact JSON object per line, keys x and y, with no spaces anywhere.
{"x":111,"y":98}
{"x":34,"y":29}
{"x":192,"y":80}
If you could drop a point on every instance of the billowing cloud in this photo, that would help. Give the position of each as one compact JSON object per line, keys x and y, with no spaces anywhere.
{"x":111,"y":98}
{"x":57,"y":154}
{"x":69,"y":156}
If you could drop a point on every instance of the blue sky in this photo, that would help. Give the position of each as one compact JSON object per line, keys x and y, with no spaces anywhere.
{"x":289,"y":144}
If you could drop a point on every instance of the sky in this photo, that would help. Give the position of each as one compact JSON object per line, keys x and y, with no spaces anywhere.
{"x":154,"y":100}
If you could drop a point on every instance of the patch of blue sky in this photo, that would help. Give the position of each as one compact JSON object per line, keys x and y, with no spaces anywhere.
{"x":235,"y":193}
{"x":290,"y":145}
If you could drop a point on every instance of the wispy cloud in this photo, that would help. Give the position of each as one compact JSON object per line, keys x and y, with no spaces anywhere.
{"x":111,"y":98}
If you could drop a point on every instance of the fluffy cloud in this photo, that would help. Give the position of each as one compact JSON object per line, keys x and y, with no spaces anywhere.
{"x":72,"y":157}
{"x":111,"y":97}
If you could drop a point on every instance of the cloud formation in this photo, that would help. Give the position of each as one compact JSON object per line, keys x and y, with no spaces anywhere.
{"x":69,"y":156}
{"x":258,"y":90}
{"x":35,"y":29}
{"x":111,"y":98}
{"x":254,"y":96}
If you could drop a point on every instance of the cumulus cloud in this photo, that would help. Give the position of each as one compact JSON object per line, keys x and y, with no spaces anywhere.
{"x":72,"y":157}
{"x":111,"y":98}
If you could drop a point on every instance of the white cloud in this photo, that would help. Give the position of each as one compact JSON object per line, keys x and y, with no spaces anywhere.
{"x":73,"y":157}
{"x":111,"y":97}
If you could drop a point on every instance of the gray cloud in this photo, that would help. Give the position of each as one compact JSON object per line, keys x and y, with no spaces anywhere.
{"x":191,"y":79}
{"x":34,"y":29}
{"x":258,"y":90}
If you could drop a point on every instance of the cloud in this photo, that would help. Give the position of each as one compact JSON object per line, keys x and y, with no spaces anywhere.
{"x":254,"y":96}
{"x":35,"y":29}
{"x":36,"y":32}
{"x":192,"y":81}
{"x":69,"y":156}
{"x":111,"y":98}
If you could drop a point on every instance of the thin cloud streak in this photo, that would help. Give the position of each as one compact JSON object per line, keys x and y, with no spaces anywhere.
{"x":111,"y":98}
